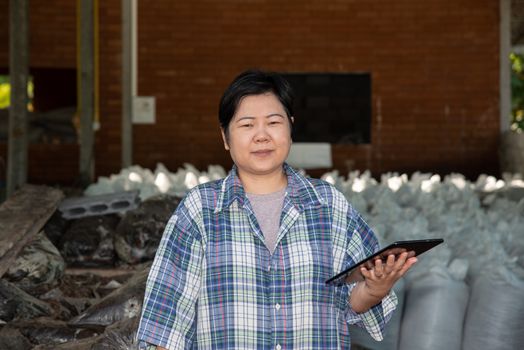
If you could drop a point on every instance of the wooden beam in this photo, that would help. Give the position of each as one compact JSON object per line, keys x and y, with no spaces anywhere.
{"x":22,"y":216}
{"x":18,"y":76}
{"x":102,"y":272}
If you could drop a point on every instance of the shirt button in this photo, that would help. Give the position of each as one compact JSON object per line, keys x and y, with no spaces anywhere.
{"x":278,"y":347}
{"x":277,"y":306}
{"x":269,"y":267}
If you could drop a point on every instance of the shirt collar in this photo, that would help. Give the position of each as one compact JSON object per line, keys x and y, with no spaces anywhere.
{"x":299,"y":190}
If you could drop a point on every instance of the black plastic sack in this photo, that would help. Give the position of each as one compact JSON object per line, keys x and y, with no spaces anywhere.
{"x":17,"y":304}
{"x":124,"y":303}
{"x":38,"y":266}
{"x":89,"y":241}
{"x":139,"y":232}
{"x":12,"y":339}
{"x":52,"y":332}
{"x":55,"y":228}
{"x":119,"y":336}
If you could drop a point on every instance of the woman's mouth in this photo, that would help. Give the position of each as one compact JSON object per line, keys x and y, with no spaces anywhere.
{"x":262,"y":153}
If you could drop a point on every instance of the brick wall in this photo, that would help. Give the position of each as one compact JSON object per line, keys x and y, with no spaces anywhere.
{"x":434,"y":67}
{"x":52,"y":42}
{"x":52,"y":38}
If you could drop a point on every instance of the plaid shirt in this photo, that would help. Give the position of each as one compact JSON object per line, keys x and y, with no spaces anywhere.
{"x":215,"y":285}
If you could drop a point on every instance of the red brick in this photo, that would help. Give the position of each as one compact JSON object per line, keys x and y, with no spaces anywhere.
{"x":434,"y":67}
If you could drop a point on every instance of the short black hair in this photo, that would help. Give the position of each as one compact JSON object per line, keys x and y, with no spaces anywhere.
{"x":254,"y":82}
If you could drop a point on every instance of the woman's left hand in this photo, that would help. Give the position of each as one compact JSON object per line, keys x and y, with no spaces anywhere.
{"x":379,"y":279}
{"x":382,"y":276}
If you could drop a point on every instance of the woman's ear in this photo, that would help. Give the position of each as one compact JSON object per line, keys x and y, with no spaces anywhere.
{"x":224,"y":138}
{"x":291,"y":127}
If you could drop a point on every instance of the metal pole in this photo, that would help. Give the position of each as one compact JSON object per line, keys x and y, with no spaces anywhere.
{"x":504,"y":65}
{"x":18,"y":75}
{"x":128,"y":81}
{"x":86,"y":91}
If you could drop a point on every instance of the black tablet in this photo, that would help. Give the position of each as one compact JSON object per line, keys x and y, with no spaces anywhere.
{"x":414,"y":247}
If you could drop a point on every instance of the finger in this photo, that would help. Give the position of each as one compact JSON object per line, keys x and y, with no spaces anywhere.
{"x":390,"y":264}
{"x":370,"y":274}
{"x":378,"y":270}
{"x":365,"y":272}
{"x":409,"y":263}
{"x":379,"y":264}
{"x":399,"y":263}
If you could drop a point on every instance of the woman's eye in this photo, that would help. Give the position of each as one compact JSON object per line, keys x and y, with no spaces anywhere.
{"x":246,"y":125}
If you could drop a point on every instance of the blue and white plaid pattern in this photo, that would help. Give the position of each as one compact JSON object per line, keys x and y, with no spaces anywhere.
{"x":215,"y":285}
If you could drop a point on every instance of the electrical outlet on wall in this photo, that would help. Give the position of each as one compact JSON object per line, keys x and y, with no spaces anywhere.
{"x":144,"y":110}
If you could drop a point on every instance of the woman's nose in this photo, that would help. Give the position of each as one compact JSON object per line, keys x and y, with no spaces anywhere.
{"x":261,"y":134}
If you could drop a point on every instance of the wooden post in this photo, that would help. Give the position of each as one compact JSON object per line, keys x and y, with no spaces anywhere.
{"x":86,"y":103}
{"x":18,"y":75}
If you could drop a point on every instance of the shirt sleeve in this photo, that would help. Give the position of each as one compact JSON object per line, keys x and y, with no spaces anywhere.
{"x":362,"y":243}
{"x":169,"y":310}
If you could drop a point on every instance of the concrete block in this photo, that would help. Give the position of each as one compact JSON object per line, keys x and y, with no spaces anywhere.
{"x":73,"y":208}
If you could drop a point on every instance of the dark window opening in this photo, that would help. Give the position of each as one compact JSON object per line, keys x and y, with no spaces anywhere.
{"x":51,"y":106}
{"x":332,"y":107}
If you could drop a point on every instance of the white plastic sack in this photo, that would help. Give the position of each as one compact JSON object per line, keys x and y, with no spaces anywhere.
{"x":434,"y":312}
{"x":495,"y":316}
{"x":361,"y":337}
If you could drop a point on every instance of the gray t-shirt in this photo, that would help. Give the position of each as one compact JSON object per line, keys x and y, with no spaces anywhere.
{"x":268,"y":209}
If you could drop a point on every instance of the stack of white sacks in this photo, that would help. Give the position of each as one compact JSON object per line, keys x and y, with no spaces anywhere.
{"x":465,"y":294}
{"x":150,"y":184}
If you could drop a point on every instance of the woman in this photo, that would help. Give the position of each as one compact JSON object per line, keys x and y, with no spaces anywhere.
{"x":243,"y":260}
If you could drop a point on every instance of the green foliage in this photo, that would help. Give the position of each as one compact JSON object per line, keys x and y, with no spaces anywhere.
{"x":5,"y":92}
{"x":517,"y":92}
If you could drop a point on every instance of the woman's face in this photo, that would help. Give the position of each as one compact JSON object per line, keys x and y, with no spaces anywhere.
{"x":259,"y":135}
